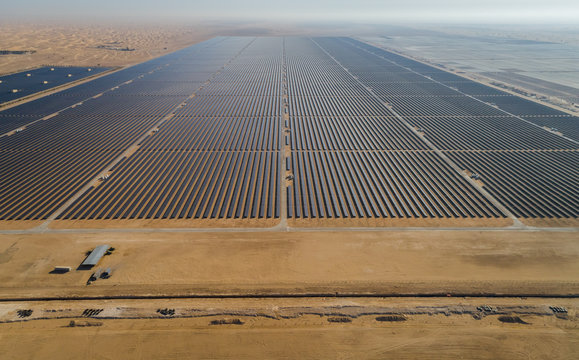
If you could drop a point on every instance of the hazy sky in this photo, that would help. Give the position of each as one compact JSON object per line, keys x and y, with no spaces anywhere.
{"x":400,"y":11}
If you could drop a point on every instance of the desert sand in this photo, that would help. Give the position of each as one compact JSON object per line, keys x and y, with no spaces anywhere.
{"x":248,"y":295}
{"x":76,"y":45}
{"x":322,"y":328}
{"x":189,"y":263}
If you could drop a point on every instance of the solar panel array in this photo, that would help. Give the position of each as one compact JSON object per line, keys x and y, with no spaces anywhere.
{"x":531,"y":171}
{"x":19,"y":85}
{"x":51,"y":160}
{"x":529,"y":183}
{"x":352,"y":157}
{"x":217,"y":156}
{"x":203,"y":133}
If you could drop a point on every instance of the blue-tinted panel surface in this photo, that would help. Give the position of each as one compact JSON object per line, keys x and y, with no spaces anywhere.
{"x":16,"y":86}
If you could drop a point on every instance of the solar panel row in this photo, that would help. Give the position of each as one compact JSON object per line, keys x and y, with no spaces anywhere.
{"x":530,"y":184}
{"x":19,"y":85}
{"x":352,"y":133}
{"x":328,"y":89}
{"x":336,"y":106}
{"x":265,"y":88}
{"x":51,"y":160}
{"x":186,"y":184}
{"x":37,"y":183}
{"x":142,"y":87}
{"x":487,"y":133}
{"x":83,"y":132}
{"x":360,"y":183}
{"x":126,"y":106}
{"x":567,"y":125}
{"x":209,"y":123}
{"x":217,"y":157}
{"x":204,"y":133}
{"x":409,"y":89}
{"x":231,"y":106}
{"x":512,"y":177}
{"x":518,"y":106}
{"x":529,"y":110}
{"x":382,"y":184}
{"x":440,"y":106}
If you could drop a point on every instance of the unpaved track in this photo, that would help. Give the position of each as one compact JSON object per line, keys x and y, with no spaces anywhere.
{"x":291,"y":328}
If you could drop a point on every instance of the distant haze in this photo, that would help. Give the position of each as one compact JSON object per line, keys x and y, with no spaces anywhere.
{"x":377,"y":11}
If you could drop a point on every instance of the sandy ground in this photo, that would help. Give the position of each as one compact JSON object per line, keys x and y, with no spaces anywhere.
{"x":304,"y":262}
{"x":19,"y":224}
{"x":298,"y":329}
{"x":76,"y":45}
{"x":552,"y":222}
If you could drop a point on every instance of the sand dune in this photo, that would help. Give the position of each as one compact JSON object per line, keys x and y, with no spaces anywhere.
{"x":77,"y":45}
